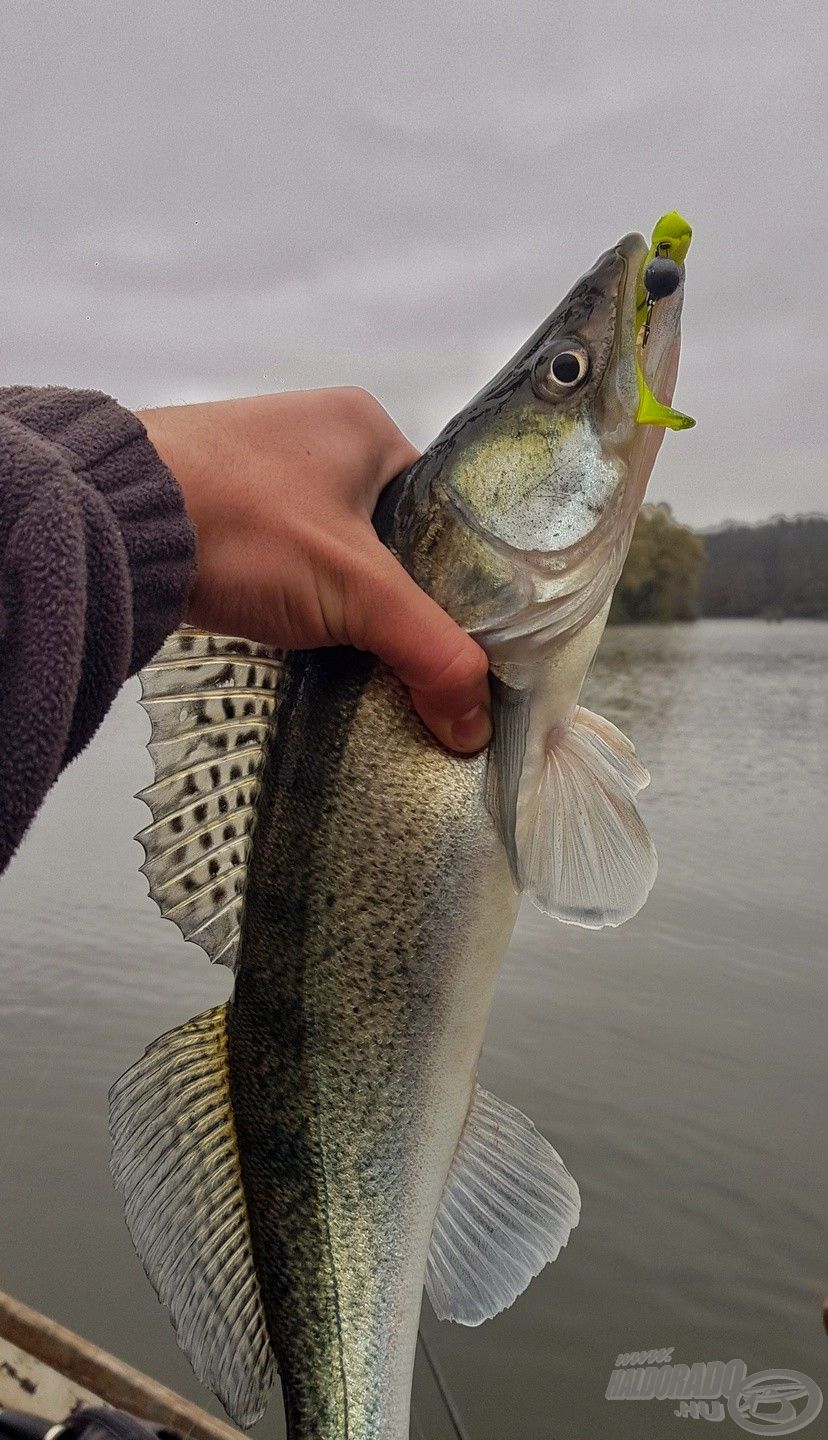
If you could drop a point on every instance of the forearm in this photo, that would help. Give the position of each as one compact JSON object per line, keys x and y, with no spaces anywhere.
{"x":96,"y":560}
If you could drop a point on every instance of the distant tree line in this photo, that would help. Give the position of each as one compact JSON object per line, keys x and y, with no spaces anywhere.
{"x":660,"y":579}
{"x":774,"y":570}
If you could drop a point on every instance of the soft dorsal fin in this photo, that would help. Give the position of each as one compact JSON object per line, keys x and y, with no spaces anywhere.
{"x":210,"y":699}
{"x":175,"y":1158}
{"x":576,"y":843}
{"x":508,"y":1206}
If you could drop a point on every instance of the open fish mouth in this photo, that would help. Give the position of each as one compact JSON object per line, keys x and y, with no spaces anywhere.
{"x":618,"y":272}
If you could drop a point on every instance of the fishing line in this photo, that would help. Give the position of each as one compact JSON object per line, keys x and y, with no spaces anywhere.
{"x":457,"y":1425}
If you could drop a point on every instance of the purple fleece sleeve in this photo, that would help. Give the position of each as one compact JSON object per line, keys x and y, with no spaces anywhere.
{"x":97,"y":556}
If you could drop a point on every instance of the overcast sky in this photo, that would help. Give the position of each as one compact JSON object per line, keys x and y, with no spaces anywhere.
{"x":199,"y":200}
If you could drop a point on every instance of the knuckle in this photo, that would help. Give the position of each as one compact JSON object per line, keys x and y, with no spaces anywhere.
{"x":358,"y":403}
{"x":363,"y":411}
{"x":359,"y":608}
{"x":355,"y":626}
{"x":382,"y":444}
{"x":463,"y":670}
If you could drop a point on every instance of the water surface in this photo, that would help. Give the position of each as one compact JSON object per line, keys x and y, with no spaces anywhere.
{"x":677,"y":1063}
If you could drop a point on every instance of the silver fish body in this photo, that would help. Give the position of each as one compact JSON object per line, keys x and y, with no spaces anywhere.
{"x":296,"y":1164}
{"x":378,"y":909}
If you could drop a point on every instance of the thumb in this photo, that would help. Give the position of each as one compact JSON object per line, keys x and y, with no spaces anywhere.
{"x":445,"y":670}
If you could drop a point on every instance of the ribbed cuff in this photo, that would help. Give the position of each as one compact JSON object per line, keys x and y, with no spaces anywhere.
{"x":109,"y":447}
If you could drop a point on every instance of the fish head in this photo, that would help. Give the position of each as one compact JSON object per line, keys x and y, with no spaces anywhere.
{"x":541,"y":452}
{"x":545,"y":469}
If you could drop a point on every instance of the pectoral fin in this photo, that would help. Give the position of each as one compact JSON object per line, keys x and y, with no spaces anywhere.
{"x":507,"y":1209}
{"x":585,"y":854}
{"x":579,"y":847}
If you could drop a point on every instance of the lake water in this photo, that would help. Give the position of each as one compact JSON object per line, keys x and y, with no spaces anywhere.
{"x":678,"y":1064}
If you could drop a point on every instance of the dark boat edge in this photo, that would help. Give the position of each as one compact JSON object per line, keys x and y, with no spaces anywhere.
{"x":109,"y":1379}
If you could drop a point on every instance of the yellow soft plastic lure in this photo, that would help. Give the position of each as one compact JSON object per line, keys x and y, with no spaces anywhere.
{"x":670,"y":239}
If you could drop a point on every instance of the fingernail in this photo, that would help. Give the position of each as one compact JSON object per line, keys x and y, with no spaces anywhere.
{"x":473,"y":730}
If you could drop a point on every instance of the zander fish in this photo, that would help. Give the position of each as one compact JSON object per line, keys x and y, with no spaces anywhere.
{"x":298,"y":1163}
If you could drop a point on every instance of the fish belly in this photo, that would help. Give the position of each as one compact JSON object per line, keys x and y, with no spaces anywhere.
{"x":378,"y":909}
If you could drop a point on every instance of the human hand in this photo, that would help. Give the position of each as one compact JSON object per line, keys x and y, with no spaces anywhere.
{"x":281,"y":490}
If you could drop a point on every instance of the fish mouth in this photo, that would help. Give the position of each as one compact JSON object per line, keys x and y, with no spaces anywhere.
{"x":618,"y":272}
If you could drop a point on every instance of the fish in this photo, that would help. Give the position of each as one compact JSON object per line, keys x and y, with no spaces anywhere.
{"x":299,"y":1164}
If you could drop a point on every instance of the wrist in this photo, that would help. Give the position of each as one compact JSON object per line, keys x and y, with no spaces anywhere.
{"x":190,"y":441}
{"x":161,"y":434}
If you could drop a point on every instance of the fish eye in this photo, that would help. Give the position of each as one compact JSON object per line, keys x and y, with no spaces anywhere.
{"x":561,"y":372}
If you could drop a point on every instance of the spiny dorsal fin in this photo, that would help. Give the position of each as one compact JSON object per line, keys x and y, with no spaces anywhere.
{"x":175,"y":1159}
{"x":508,"y":1207}
{"x":210,"y":699}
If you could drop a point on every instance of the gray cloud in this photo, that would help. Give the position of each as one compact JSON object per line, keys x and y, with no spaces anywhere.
{"x":200,"y":200}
